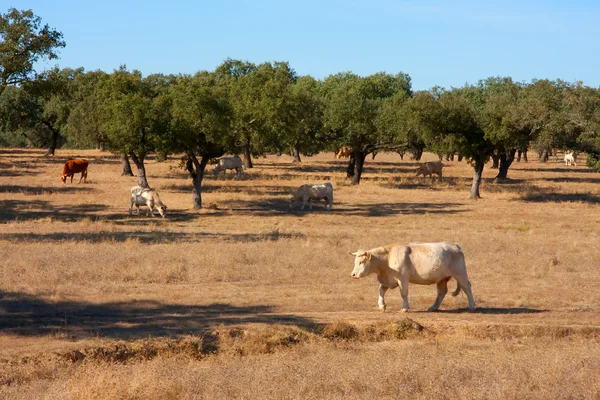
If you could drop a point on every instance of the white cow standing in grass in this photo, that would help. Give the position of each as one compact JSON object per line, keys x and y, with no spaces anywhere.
{"x":146,"y":196}
{"x":421,"y":263}
{"x":307,"y":193}
{"x":430,"y":168}
{"x":226,"y":163}
{"x":571,"y":158}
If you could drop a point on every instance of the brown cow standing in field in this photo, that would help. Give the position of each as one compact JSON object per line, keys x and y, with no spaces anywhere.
{"x":72,"y":167}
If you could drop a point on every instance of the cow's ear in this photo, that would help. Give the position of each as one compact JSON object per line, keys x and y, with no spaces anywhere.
{"x":368,"y":255}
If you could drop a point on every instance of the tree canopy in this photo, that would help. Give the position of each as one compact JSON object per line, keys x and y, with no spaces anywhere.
{"x":23,"y":42}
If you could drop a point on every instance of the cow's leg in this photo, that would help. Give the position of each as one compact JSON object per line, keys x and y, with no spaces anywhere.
{"x":131,"y":207}
{"x":381,"y":300}
{"x":72,"y":178}
{"x":309,"y":205}
{"x":138,"y":209}
{"x":465,"y":285}
{"x":150,"y":209}
{"x":403,"y":282}
{"x":442,"y":289}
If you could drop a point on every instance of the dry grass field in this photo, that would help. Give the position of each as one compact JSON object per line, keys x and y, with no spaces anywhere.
{"x":245,"y":299}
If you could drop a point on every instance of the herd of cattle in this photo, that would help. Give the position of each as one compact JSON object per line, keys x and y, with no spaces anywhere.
{"x":304,"y":195}
{"x":394,"y":265}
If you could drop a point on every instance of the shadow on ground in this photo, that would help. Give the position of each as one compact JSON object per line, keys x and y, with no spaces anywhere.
{"x":28,"y":315}
{"x":36,"y":190}
{"x":281,"y":207}
{"x":148,"y":237}
{"x":539,"y":195}
{"x":493,"y":310}
{"x":13,"y":210}
{"x":557,"y":170}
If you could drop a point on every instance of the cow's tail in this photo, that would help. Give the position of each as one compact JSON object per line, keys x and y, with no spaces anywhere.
{"x":457,"y":291}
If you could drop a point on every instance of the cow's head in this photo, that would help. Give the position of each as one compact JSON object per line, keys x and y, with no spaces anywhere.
{"x":362,"y":264}
{"x":162,"y":210}
{"x":63,"y":178}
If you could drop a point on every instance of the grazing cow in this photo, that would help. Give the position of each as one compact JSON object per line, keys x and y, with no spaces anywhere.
{"x":72,"y":167}
{"x":226,"y":163}
{"x":571,"y":158}
{"x":343,"y":152}
{"x":145,"y":196}
{"x":307,"y":193}
{"x":420,"y":263}
{"x":430,"y":168}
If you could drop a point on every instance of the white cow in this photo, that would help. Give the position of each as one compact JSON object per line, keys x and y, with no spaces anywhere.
{"x":430,"y":168}
{"x":420,"y":263}
{"x":226,"y":163}
{"x":307,"y":193}
{"x":571,"y":158}
{"x":146,"y":196}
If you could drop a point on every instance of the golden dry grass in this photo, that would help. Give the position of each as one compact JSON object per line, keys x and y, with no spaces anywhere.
{"x":245,"y":299}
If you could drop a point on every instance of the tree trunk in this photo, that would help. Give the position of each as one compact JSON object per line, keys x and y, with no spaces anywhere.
{"x":417,"y":153}
{"x":359,"y":156}
{"x":525,"y":154}
{"x":505,"y":163}
{"x":247,"y":155}
{"x":53,"y":141}
{"x":495,"y":161}
{"x":141,"y":170}
{"x":460,"y":157}
{"x":519,"y":153}
{"x":544,"y":156}
{"x":477,"y":179}
{"x":296,"y":154}
{"x":350,"y":167}
{"x":126,"y":166}
{"x":196,"y":169}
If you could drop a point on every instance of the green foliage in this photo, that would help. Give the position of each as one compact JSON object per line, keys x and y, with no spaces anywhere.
{"x":593,"y":161}
{"x":84,"y":122}
{"x":134,"y":112}
{"x":258,"y":98}
{"x":358,"y":109}
{"x":302,"y":118}
{"x":201,"y":115}
{"x":23,"y":42}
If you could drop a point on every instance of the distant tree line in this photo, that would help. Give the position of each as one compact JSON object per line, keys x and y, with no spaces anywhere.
{"x":257,"y":109}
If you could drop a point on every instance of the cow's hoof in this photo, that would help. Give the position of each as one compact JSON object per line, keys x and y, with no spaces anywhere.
{"x":404,"y":310}
{"x":472,"y":309}
{"x":382,"y":309}
{"x":431,"y":309}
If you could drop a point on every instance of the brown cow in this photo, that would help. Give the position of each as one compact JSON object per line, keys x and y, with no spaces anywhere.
{"x":72,"y":167}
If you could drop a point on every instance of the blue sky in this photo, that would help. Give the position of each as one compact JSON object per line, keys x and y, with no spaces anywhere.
{"x":445,"y":43}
